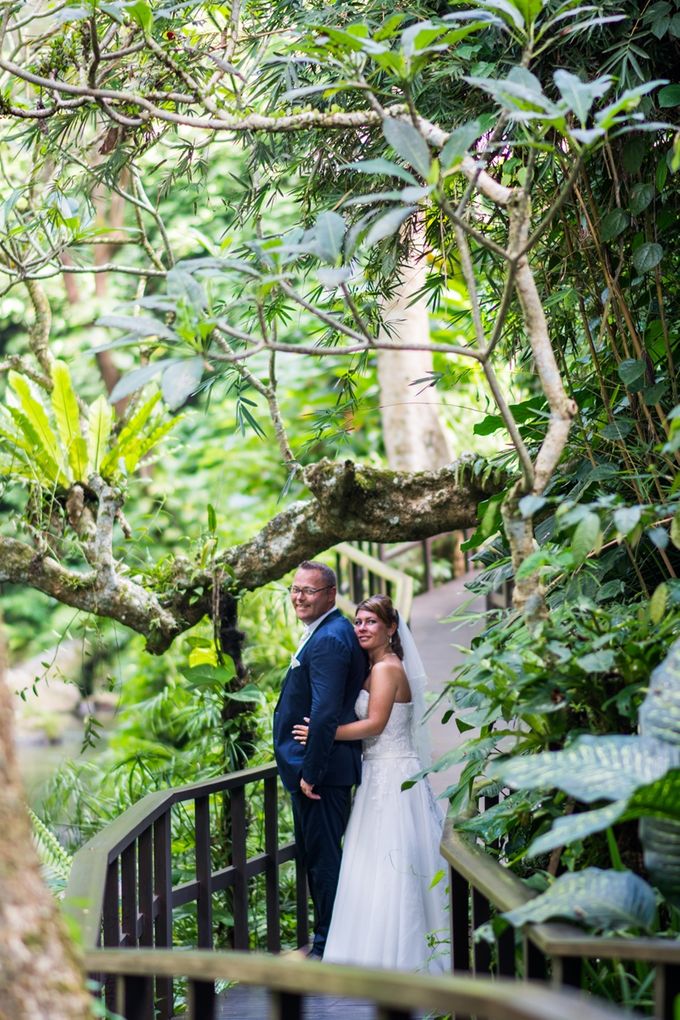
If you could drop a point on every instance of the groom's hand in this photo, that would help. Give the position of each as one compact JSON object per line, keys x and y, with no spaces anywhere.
{"x":308,"y":790}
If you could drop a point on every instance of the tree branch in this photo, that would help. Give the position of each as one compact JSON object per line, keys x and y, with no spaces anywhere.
{"x":349,"y":502}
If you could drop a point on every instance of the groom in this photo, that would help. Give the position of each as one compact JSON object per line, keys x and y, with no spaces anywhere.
{"x":323,"y":681}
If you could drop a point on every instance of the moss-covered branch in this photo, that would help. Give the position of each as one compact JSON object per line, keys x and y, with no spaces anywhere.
{"x":349,"y":503}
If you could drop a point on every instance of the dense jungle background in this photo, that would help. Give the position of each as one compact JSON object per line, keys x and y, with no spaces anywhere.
{"x":278,"y":276}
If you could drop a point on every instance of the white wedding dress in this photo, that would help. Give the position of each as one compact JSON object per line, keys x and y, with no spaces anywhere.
{"x":386,"y":907}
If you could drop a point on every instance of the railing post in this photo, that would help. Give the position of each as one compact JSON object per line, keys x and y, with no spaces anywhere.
{"x":201,"y":1000}
{"x":301,"y":903}
{"x":481,"y":950}
{"x":145,"y":887}
{"x":534,"y":961}
{"x":128,"y":887}
{"x":271,"y":844}
{"x":566,"y":970}
{"x":111,"y":925}
{"x":162,"y":885}
{"x":666,"y":990}
{"x":203,"y":873}
{"x":285,"y":1006}
{"x":459,"y":902}
{"x":427,"y":563}
{"x":138,"y":997}
{"x":506,"y":952}
{"x":238,"y":860}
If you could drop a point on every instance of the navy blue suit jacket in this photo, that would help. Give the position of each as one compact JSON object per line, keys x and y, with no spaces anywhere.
{"x":331,"y":672}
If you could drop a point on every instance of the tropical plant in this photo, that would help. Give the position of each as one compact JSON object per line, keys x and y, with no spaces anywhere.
{"x":48,"y":446}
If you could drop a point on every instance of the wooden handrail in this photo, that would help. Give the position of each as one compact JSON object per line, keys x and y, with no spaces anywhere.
{"x":506,"y":892}
{"x":399,"y":992}
{"x":402,"y":583}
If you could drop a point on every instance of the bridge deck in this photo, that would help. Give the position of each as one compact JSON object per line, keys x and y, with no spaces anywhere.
{"x":436,"y":642}
{"x":246,"y":1003}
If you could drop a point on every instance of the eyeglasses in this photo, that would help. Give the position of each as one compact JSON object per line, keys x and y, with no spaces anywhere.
{"x":294,"y":590}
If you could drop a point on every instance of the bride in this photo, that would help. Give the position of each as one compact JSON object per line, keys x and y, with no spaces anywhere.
{"x":388,"y":908}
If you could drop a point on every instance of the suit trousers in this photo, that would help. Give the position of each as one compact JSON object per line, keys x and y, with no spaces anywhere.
{"x":319,"y":828}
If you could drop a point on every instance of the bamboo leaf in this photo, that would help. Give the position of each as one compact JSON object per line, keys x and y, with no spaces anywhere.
{"x":67,"y":417}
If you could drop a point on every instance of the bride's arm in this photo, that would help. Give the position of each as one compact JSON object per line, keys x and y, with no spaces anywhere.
{"x":384,"y":685}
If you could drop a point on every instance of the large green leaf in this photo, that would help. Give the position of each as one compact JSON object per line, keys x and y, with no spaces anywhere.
{"x":659,"y":715}
{"x":593,"y":768}
{"x":99,"y":430}
{"x":661,"y":843}
{"x":571,"y":827}
{"x":599,"y":899}
{"x":67,"y":417}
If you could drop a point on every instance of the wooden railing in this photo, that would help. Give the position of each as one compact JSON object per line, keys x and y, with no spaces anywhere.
{"x":122,"y":895}
{"x":479,"y":885}
{"x":371,"y":567}
{"x":121,"y":891}
{"x":291,"y":982}
{"x":360,"y":574}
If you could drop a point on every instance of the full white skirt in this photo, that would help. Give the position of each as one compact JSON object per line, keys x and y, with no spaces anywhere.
{"x":387,"y":913}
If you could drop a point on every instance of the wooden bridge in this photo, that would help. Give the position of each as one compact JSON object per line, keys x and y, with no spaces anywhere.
{"x":123,"y":896}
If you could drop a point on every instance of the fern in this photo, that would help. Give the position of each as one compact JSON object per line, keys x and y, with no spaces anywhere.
{"x":55,"y":861}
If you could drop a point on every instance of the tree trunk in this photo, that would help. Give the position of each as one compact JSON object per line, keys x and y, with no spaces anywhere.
{"x":413,"y":432}
{"x":40,"y":976}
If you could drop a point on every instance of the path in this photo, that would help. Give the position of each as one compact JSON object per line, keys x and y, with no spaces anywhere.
{"x":436,"y":642}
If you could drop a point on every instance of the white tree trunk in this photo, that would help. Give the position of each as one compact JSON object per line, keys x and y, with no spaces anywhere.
{"x":414,"y":435}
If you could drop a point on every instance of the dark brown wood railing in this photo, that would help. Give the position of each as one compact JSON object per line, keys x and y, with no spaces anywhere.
{"x":291,"y":983}
{"x":121,"y":890}
{"x":479,"y":885}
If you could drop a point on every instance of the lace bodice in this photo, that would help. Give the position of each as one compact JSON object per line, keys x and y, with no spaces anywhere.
{"x":396,"y":740}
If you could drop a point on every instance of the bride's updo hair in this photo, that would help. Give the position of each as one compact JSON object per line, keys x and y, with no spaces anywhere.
{"x":381,"y":606}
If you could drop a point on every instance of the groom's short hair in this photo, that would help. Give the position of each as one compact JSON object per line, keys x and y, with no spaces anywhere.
{"x":327,"y":573}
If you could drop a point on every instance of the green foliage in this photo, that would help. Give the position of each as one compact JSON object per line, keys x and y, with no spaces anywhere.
{"x":49,"y":446}
{"x":601,"y":899}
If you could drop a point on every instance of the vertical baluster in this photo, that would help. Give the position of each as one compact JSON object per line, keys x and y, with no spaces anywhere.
{"x":238,"y":859}
{"x":145,"y":887}
{"x":271,"y":846}
{"x":111,"y":926}
{"x":301,"y":904}
{"x":138,"y":997}
{"x":427,"y":564}
{"x":459,"y":895}
{"x":566,"y":970}
{"x":390,"y":1013}
{"x":201,"y":1000}
{"x":534,"y":961}
{"x":162,"y":886}
{"x":285,"y":1006}
{"x":666,"y":990}
{"x":203,"y":873}
{"x":128,"y":887}
{"x":481,"y":950}
{"x":506,"y":952}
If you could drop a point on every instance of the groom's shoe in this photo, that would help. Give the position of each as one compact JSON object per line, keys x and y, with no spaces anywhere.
{"x":305,"y":953}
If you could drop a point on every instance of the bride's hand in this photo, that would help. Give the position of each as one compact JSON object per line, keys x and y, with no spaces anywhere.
{"x":301,"y":730}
